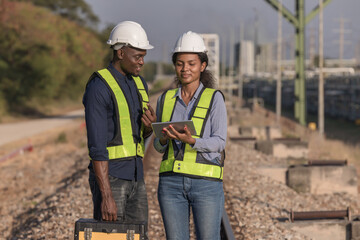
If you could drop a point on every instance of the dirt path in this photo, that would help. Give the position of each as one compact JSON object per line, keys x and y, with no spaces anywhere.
{"x":10,"y":132}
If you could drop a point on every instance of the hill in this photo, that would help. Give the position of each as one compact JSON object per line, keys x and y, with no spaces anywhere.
{"x":46,"y":61}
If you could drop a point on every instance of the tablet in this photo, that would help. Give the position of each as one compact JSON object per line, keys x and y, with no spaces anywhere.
{"x":178,"y":125}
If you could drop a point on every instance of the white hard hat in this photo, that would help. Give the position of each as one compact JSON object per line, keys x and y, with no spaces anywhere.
{"x":131,"y":33}
{"x":190,"y":42}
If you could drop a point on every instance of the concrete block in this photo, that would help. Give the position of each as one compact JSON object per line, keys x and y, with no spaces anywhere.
{"x":244,"y":111}
{"x":265,"y":147}
{"x":296,"y":161}
{"x":283,"y":148}
{"x":322,"y":229}
{"x":233,"y":131}
{"x":275,"y":172}
{"x":323,"y":179}
{"x":355,"y":230}
{"x":261,"y":132}
{"x":248,"y":142}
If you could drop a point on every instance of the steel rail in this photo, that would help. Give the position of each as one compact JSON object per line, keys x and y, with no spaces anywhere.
{"x":226,"y":231}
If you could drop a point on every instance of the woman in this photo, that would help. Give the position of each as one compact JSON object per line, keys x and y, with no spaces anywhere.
{"x":192,"y":167}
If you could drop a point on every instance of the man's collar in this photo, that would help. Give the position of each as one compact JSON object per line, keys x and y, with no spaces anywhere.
{"x":118,"y":74}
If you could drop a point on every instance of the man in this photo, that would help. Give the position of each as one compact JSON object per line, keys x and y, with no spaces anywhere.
{"x":118,"y":119}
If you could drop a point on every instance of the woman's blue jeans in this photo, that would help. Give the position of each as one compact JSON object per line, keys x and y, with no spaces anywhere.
{"x":176,"y":194}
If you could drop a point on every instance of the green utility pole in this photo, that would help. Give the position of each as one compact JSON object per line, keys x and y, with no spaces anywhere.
{"x":299,"y":21}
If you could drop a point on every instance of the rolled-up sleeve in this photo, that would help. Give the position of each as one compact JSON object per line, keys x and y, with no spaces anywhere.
{"x":158,"y":147}
{"x":216,"y":140}
{"x":96,"y":100}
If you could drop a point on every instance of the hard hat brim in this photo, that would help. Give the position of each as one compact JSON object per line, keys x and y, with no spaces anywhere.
{"x":148,"y":47}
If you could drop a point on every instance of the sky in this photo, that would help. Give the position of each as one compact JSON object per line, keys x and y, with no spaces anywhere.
{"x":164,"y":21}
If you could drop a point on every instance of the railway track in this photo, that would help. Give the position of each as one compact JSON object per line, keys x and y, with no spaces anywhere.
{"x":45,"y":191}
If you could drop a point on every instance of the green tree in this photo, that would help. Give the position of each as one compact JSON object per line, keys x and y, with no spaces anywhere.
{"x":43,"y":64}
{"x":168,"y":69}
{"x":103,"y":37}
{"x":148,"y":71}
{"x":75,"y":10}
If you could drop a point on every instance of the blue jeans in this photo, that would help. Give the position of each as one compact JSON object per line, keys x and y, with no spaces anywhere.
{"x":176,"y":194}
{"x":130,"y":198}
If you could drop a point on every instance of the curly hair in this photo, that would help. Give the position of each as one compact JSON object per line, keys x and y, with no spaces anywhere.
{"x":206,"y":77}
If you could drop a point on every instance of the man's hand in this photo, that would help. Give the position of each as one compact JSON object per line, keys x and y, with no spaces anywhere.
{"x":108,"y":205}
{"x":148,"y":116}
{"x":108,"y":208}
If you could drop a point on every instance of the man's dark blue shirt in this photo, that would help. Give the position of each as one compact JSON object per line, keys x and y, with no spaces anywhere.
{"x":101,"y":122}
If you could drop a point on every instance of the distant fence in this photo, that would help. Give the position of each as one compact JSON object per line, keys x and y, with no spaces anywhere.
{"x":342,"y":95}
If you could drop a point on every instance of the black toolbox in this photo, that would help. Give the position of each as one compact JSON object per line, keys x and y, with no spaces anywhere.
{"x":86,"y":229}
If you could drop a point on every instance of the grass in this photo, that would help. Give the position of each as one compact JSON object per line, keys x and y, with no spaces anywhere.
{"x":61,"y":138}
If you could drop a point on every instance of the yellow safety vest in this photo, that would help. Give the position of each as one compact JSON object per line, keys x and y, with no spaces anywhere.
{"x":123,"y":146}
{"x":190,"y":163}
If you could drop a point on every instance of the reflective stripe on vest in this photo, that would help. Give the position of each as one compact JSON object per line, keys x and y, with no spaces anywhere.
{"x":128,"y":148}
{"x":188,"y":164}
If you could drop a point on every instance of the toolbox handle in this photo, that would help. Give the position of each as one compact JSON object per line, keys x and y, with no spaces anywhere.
{"x":109,"y":231}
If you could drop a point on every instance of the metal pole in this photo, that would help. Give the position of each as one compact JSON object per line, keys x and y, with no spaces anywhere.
{"x":299,"y":21}
{"x":341,"y":42}
{"x":256,"y":40}
{"x":337,"y":214}
{"x":312,"y":47}
{"x":300,"y":85}
{"x":297,"y":66}
{"x":226,"y":230}
{"x":231,"y":65}
{"x":321,"y":76}
{"x":327,"y":162}
{"x":239,"y":65}
{"x":222,"y":84}
{"x":278,"y":82}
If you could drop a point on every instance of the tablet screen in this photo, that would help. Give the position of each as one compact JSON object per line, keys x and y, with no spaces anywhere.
{"x":178,"y":125}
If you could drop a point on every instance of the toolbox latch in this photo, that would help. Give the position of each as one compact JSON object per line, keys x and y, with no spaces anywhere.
{"x":87,"y":233}
{"x":130,"y":234}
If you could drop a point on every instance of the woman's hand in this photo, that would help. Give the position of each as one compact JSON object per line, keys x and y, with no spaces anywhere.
{"x":171,"y":133}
